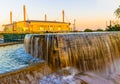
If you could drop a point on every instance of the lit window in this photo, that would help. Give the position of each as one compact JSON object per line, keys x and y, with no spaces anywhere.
{"x":41,"y":29}
{"x":51,"y":28}
{"x":59,"y":28}
{"x":24,"y":28}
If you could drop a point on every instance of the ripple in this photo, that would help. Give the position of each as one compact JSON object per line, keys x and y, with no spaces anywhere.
{"x":14,"y":57}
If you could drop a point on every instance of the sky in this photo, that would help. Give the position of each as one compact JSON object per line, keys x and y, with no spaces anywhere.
{"x":91,"y":14}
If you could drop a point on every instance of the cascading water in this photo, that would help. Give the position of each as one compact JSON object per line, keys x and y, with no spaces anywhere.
{"x":88,"y":52}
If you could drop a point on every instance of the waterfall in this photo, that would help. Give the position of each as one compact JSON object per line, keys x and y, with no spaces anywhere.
{"x":95,"y":52}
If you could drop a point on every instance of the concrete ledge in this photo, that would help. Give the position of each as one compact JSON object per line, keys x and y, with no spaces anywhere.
{"x":27,"y":75}
{"x":10,"y":43}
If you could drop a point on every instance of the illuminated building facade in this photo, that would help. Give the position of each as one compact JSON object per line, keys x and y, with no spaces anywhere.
{"x":37,"y":25}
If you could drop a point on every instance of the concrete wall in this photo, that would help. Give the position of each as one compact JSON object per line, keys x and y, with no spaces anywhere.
{"x":29,"y":75}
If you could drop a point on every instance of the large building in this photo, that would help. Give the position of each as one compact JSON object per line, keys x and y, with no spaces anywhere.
{"x":36,"y":25}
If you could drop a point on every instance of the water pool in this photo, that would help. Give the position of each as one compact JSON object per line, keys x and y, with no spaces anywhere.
{"x":14,"y":57}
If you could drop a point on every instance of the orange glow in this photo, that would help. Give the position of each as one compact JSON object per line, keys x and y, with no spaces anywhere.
{"x":91,"y":24}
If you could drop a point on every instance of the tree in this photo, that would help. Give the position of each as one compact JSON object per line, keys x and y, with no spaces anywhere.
{"x":99,"y":30}
{"x":113,"y":28}
{"x":117,"y":12}
{"x":116,"y":26}
{"x":88,"y":30}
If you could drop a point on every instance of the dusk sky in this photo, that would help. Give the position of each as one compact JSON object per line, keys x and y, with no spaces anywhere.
{"x":88,"y":13}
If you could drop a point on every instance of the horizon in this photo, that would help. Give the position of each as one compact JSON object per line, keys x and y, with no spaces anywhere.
{"x":91,"y":14}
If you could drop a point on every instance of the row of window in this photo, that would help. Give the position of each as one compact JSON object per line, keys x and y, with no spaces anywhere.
{"x":50,"y":28}
{"x":47,"y":26}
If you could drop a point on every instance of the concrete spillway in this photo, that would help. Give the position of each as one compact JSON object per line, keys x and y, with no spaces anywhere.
{"x":86,"y":51}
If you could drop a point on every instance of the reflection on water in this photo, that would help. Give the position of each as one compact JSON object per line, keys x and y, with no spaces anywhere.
{"x":14,"y":57}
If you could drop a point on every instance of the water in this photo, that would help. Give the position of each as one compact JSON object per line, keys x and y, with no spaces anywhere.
{"x":75,"y":58}
{"x":72,"y":76}
{"x":1,"y":40}
{"x":75,"y":49}
{"x":14,"y":57}
{"x":96,"y":56}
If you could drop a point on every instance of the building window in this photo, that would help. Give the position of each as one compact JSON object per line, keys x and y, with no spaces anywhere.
{"x":59,"y":28}
{"x":23,"y":29}
{"x":51,"y":28}
{"x":41,"y":28}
